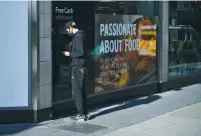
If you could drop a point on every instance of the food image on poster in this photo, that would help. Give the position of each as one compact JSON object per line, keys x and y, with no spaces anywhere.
{"x":125,"y":50}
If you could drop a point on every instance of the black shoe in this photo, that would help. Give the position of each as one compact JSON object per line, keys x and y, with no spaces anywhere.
{"x":80,"y":117}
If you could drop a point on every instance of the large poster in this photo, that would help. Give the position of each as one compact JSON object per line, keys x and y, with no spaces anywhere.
{"x":125,"y":50}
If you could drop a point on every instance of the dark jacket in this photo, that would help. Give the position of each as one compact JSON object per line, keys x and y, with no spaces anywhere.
{"x":77,"y":49}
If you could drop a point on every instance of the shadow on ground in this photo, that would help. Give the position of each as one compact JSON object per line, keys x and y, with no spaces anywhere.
{"x":10,"y":129}
{"x":177,"y":89}
{"x":127,"y":104}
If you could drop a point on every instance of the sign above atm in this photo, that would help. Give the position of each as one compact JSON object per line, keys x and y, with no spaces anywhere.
{"x":64,"y":10}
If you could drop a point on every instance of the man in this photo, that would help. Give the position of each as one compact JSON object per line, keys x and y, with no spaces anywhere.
{"x":76,"y":52}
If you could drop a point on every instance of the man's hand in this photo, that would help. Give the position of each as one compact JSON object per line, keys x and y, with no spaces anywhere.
{"x":66,"y":53}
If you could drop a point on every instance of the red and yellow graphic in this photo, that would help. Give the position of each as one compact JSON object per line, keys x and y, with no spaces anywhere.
{"x":147,"y":37}
{"x":147,"y":48}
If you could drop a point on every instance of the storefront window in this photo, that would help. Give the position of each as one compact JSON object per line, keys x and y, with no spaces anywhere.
{"x":184,"y":38}
{"x":120,"y":44}
{"x":125,"y":44}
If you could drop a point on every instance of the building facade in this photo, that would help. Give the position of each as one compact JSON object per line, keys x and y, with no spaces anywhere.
{"x":132,"y":49}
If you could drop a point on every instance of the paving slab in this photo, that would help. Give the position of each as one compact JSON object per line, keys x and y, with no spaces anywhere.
{"x":182,"y":122}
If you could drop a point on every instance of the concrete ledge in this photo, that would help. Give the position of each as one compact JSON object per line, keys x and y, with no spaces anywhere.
{"x":182,"y":81}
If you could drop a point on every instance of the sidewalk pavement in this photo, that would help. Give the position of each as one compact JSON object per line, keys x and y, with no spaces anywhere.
{"x":173,"y":113}
{"x":182,"y":122}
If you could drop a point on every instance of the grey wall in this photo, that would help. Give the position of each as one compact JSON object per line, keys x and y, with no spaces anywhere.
{"x":14,"y":47}
{"x":45,"y":66}
{"x":163,"y":40}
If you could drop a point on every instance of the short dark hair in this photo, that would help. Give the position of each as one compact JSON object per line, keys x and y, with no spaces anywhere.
{"x":70,"y":24}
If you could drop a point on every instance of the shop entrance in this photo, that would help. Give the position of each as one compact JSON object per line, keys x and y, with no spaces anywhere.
{"x":82,"y":13}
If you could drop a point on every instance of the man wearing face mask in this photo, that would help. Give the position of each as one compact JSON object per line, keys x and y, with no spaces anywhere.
{"x":76,"y":52}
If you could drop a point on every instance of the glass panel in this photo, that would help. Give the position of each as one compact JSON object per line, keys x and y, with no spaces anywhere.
{"x":113,"y":59}
{"x":185,"y":39}
{"x":125,"y":44}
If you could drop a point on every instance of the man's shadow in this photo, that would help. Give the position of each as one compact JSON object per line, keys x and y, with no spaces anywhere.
{"x":127,"y":104}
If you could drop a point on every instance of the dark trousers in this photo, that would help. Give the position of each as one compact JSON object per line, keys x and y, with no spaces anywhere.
{"x":78,"y":89}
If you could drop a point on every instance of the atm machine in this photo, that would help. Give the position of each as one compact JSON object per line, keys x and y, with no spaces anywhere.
{"x":61,"y":75}
{"x":61,"y":64}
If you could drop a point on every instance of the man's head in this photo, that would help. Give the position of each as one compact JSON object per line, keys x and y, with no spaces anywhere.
{"x":70,"y":27}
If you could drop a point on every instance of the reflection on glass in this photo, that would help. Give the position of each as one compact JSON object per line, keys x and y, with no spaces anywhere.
{"x":125,"y":44}
{"x":184,"y":40}
{"x":125,"y":50}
